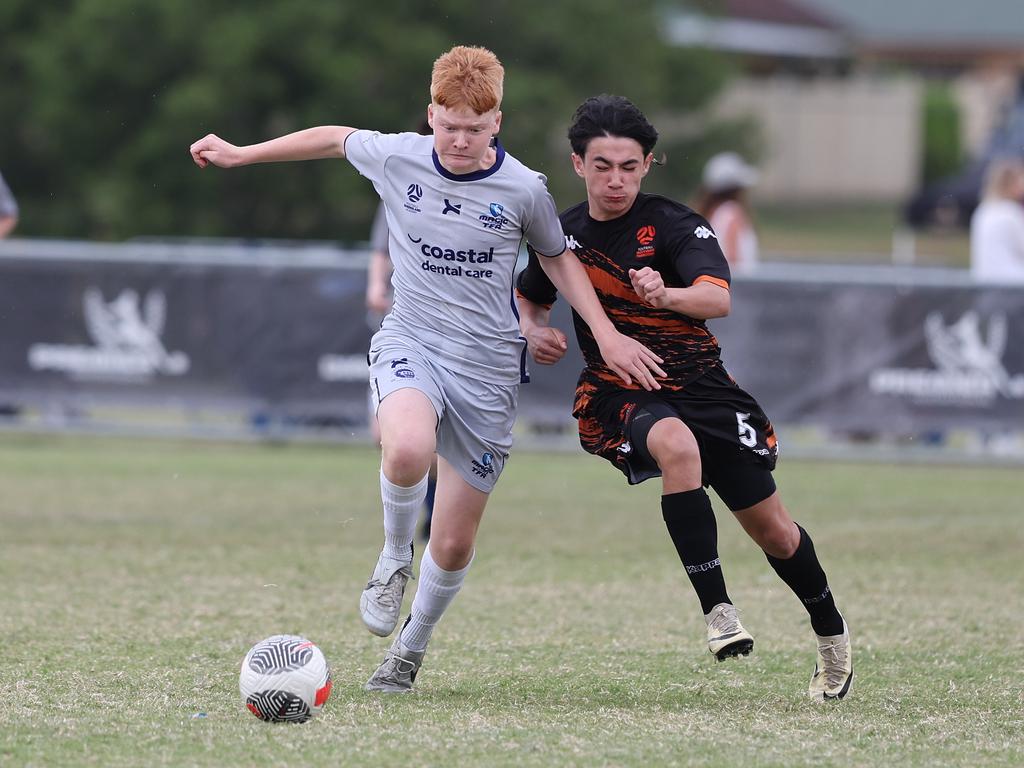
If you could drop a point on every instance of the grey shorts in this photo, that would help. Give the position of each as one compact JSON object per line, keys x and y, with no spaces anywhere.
{"x":474,"y":418}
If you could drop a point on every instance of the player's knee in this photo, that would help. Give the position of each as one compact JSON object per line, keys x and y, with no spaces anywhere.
{"x":451,"y":551}
{"x":778,"y":538}
{"x":406,"y":463}
{"x":673,"y":447}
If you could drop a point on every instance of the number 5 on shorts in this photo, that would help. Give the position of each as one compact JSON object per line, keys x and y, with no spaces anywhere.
{"x":748,"y":436}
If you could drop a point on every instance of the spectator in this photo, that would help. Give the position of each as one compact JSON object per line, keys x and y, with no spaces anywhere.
{"x":997,"y":226}
{"x":722,"y":201}
{"x":8,"y":209}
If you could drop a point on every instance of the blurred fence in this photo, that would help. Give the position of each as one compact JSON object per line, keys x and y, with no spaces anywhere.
{"x":240,"y":340}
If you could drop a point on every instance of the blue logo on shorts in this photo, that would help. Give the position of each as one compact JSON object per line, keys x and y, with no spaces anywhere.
{"x":485,"y":466}
{"x":405,"y":373}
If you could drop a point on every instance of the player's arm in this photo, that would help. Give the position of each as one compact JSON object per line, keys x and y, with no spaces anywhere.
{"x":319,"y":143}
{"x":707,"y":298}
{"x":378,"y":282}
{"x":534,"y":295}
{"x":625,"y":356}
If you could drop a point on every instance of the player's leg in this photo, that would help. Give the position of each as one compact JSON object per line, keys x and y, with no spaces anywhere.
{"x":408,"y":423}
{"x":791,"y":553}
{"x":473,"y":442}
{"x":408,"y":403}
{"x":443,"y":568}
{"x":428,"y":508}
{"x":656,"y":431}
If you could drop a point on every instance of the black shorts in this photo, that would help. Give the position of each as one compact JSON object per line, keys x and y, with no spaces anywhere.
{"x":738,"y":448}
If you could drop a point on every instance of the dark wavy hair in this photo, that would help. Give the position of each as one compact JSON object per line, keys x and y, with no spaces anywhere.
{"x":608,"y":115}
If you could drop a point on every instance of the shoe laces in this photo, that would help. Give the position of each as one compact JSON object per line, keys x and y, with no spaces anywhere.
{"x":387,"y":592}
{"x":725,"y":621}
{"x":834,"y":654}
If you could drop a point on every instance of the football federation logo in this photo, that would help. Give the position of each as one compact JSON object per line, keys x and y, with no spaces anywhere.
{"x":645,"y":236}
{"x":414,"y":193}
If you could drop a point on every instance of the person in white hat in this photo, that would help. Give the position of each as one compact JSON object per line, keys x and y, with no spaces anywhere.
{"x":723,"y":202}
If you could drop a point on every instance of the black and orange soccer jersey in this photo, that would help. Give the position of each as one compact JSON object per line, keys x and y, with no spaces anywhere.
{"x":656,"y":232}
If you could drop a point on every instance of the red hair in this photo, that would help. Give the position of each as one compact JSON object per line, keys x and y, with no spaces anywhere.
{"x":467,"y":77}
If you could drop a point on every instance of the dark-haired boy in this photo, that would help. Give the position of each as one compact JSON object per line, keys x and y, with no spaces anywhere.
{"x":659,"y":273}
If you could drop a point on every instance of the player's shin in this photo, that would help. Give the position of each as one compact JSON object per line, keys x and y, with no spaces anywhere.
{"x":804,"y":575}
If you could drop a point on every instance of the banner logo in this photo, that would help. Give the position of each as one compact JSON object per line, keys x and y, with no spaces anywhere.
{"x":126,"y":334}
{"x":968,"y":365}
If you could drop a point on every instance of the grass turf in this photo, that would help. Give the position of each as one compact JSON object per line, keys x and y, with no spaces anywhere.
{"x":136,"y":575}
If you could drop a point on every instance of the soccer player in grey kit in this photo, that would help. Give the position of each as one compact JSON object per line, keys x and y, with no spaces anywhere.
{"x":447,"y":362}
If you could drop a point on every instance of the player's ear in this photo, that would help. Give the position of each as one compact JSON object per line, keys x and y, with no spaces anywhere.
{"x":577,"y":164}
{"x":647,"y":164}
{"x":430,"y":115}
{"x":497,"y":122}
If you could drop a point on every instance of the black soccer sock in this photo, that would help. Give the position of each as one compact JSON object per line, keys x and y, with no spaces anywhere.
{"x":803,"y":574}
{"x":691,"y":524}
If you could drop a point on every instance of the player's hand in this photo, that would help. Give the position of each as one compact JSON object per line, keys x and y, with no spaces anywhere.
{"x":213,"y":149}
{"x":547,"y":345}
{"x":631,"y":360}
{"x":649,"y":286}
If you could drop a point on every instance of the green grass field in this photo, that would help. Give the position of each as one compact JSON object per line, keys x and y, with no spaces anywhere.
{"x":137,"y":574}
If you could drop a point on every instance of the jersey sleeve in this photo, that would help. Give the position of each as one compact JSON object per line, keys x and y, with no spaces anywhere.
{"x":695,"y":253}
{"x":368,"y":151}
{"x":542,"y":228}
{"x":533,"y":283}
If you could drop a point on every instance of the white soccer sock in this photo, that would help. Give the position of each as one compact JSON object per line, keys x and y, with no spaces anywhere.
{"x":401,"y":510}
{"x":435,"y":593}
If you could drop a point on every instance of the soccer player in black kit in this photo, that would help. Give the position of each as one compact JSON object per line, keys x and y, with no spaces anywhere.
{"x":659,"y":272}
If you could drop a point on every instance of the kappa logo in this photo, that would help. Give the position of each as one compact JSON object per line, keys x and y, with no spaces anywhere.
{"x":450,"y":207}
{"x":704,"y":233}
{"x":126,"y":333}
{"x":485,"y":466}
{"x":572,"y":243}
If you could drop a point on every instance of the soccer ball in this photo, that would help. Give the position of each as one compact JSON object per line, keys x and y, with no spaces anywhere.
{"x":284,"y":678}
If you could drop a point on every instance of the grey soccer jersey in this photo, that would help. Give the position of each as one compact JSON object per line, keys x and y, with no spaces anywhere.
{"x":454,"y":241}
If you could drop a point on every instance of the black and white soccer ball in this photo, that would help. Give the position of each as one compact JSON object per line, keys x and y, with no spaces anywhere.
{"x":285,"y":678}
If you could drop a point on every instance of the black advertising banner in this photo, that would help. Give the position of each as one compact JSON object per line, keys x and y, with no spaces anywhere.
{"x":284,"y":332}
{"x":898,"y":354}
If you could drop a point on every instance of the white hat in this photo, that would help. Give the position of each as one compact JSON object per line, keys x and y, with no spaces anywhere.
{"x":727,"y":170}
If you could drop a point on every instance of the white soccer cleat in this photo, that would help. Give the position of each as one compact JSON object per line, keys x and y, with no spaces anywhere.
{"x":833,"y":672}
{"x":726,"y":636}
{"x":381,"y":601}
{"x":397,"y":672}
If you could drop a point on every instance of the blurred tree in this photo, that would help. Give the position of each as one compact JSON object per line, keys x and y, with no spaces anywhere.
{"x":103,"y":98}
{"x":943,"y":147}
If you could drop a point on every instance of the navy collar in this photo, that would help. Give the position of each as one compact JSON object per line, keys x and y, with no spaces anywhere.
{"x":499,"y":158}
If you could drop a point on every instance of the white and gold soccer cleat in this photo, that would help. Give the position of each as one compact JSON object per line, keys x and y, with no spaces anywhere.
{"x":833,"y":672}
{"x":726,"y":636}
